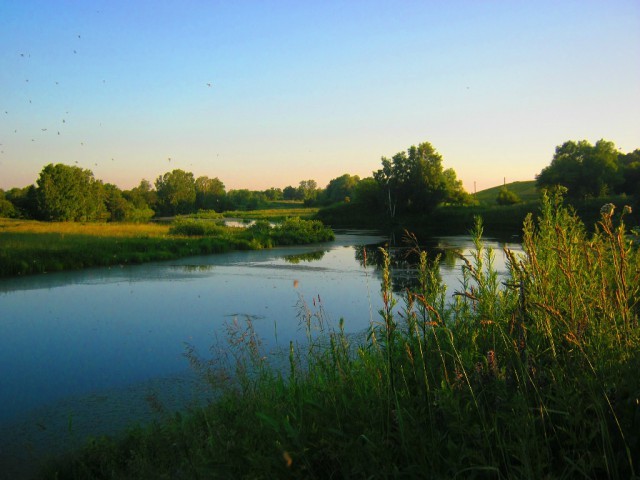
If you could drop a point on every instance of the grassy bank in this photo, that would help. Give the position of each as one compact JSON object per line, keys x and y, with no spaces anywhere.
{"x":498,"y":220}
{"x":37,"y":247}
{"x":532,"y":378}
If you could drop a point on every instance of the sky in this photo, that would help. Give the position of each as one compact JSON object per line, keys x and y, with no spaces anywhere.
{"x":265,"y":94}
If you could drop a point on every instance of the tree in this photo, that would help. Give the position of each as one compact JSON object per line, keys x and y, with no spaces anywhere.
{"x":415,"y":181}
{"x":118,"y":207}
{"x":210,"y":194}
{"x":585,"y":170}
{"x":176,"y":192}
{"x":630,"y":170}
{"x":455,"y":192}
{"x":308,"y":190}
{"x":291,"y":193}
{"x":507,"y":197}
{"x":339,"y":189}
{"x":273,"y":194}
{"x":367,"y":193}
{"x":66,"y":193}
{"x":24,"y":200}
{"x":143,"y":196}
{"x":244,"y":199}
{"x":7,"y":208}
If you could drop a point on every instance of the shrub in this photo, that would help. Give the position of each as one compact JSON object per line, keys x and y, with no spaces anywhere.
{"x":196,"y":228}
{"x":507,"y":197}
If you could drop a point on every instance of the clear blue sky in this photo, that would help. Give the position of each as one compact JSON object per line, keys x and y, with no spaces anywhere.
{"x":311,"y":90}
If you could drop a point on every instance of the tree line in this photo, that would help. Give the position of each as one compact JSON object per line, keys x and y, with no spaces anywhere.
{"x":591,"y":171}
{"x":70,"y":193}
{"x":411,"y":181}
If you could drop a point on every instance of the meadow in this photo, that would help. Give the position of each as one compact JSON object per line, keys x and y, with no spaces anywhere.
{"x":30,"y":246}
{"x":533,"y":377}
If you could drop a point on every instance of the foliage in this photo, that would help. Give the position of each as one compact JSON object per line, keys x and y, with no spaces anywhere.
{"x":272,"y":194}
{"x":308,"y":190}
{"x":196,"y":227}
{"x":6,"y":207}
{"x":585,"y":170}
{"x":176,"y":192}
{"x":36,"y":247}
{"x":535,"y":377}
{"x":340,"y":189}
{"x":210,"y":194}
{"x":244,"y":200}
{"x":630,"y":166}
{"x":294,"y":230}
{"x":66,"y":193}
{"x":143,"y":196}
{"x":507,"y":197}
{"x":415,"y":181}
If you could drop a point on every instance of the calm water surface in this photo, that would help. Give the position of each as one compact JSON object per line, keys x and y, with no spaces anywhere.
{"x":84,"y":353}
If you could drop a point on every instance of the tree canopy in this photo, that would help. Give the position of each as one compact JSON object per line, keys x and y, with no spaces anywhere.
{"x":340,"y":189}
{"x":176,"y":192}
{"x":415,"y":181}
{"x":210,"y":194}
{"x":585,"y":170}
{"x":66,"y":193}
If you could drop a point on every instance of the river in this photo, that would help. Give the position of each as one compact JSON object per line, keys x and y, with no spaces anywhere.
{"x":89,"y":352}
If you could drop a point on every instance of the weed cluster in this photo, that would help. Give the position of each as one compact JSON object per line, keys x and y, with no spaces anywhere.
{"x":535,"y":377}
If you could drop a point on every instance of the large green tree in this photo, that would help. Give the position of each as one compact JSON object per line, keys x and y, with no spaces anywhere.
{"x":210,"y":194}
{"x":143,"y":196}
{"x":176,"y":192}
{"x":415,"y":181}
{"x":7,"y":208}
{"x":340,"y":189}
{"x":585,"y":170}
{"x":308,"y":190}
{"x":630,"y":165}
{"x":66,"y":193}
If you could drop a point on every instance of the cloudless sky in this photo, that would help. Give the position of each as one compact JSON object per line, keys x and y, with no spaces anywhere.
{"x":311,"y":89}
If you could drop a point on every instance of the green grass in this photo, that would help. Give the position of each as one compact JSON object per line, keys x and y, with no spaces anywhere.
{"x":273,"y":214}
{"x":37,"y":247}
{"x":526,"y":190}
{"x":536,"y":377}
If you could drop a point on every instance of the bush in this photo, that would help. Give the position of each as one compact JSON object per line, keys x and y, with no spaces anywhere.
{"x":507,"y":197}
{"x":196,"y":228}
{"x":295,"y":231}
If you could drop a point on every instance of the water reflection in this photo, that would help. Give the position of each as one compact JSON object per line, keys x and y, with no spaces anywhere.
{"x":305,"y":257}
{"x":67,"y":339}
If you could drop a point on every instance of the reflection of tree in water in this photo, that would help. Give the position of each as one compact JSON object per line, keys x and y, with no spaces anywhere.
{"x":197,"y":268}
{"x":405,"y":260}
{"x":305,"y":257}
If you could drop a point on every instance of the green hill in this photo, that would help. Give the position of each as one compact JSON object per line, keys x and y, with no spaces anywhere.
{"x":525,"y":190}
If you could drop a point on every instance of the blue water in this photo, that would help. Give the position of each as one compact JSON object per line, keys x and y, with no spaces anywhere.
{"x":81,"y":352}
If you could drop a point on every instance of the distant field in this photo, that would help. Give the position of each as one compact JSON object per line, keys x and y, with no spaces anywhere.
{"x":78,"y":228}
{"x":525,"y":190}
{"x":275,"y":211}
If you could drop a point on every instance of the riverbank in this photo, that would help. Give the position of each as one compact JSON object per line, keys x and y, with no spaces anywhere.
{"x":531,"y":378}
{"x":30,"y":246}
{"x":498,"y":220}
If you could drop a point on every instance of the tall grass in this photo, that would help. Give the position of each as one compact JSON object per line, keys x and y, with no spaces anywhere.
{"x":28,"y":247}
{"x":533,"y":377}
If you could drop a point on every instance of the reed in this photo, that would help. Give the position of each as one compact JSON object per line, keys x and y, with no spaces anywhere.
{"x":533,"y":377}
